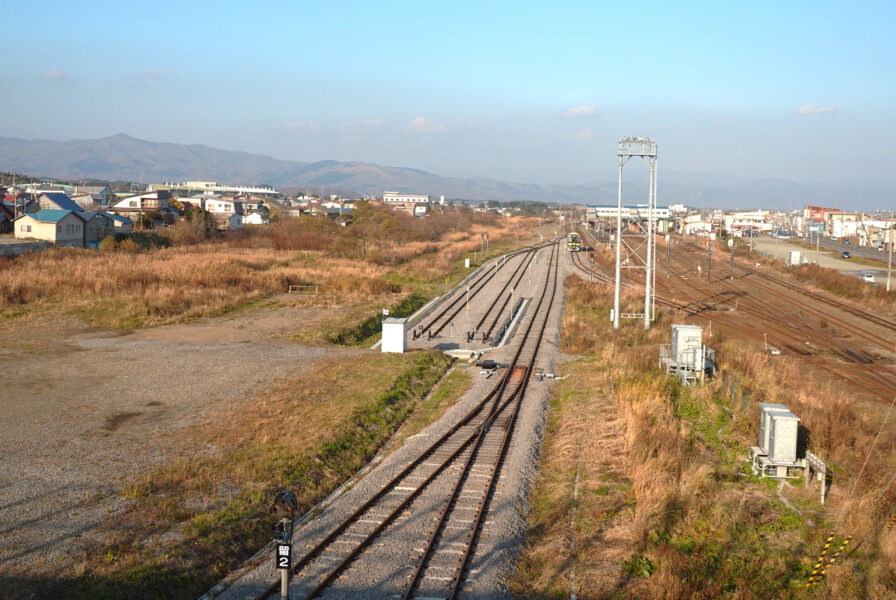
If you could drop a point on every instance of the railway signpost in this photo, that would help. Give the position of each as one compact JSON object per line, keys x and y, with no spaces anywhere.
{"x":284,"y":556}
{"x":284,"y":508}
{"x":284,"y":564}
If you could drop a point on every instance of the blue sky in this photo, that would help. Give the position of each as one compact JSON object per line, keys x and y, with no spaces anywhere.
{"x":531,"y":92}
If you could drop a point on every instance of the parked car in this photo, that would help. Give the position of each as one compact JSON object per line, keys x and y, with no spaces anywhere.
{"x":846,"y":242}
{"x":845,"y":254}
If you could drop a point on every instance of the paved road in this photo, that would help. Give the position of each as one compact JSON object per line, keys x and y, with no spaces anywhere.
{"x":829,"y":259}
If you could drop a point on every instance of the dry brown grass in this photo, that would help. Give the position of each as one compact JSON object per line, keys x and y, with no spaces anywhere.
{"x":698,"y":524}
{"x":161,"y":285}
{"x":874,"y":297}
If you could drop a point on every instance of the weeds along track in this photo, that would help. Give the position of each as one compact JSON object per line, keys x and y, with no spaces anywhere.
{"x":742,"y":301}
{"x":440,"y":320}
{"x":445,"y":492}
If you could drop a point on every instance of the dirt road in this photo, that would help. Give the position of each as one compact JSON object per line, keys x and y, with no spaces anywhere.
{"x":83,"y":411}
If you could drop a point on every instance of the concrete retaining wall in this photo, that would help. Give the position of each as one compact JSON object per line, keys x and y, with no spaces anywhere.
{"x":22,"y":247}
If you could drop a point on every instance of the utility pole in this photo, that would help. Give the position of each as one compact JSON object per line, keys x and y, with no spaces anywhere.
{"x":709,"y":257}
{"x":890,"y":259}
{"x":817,"y":243}
{"x":668,"y":255}
{"x":731,"y":245}
{"x":776,"y":237}
{"x":468,"y":307}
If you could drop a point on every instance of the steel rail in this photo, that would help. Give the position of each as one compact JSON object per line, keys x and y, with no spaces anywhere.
{"x":525,"y":262}
{"x":497,"y":406}
{"x":500,"y":311}
{"x":482,"y":281}
{"x":384,"y":490}
{"x":437,"y":532}
{"x":486,"y":503}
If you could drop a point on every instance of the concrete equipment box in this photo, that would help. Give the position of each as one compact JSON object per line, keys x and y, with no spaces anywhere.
{"x":766,"y":408}
{"x":395,"y":335}
{"x":687,"y":346}
{"x":782,"y":437}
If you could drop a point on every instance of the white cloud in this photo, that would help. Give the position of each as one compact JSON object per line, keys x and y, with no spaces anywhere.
{"x":423,"y":125}
{"x":302,"y":127}
{"x":584,"y":134}
{"x":816,"y":109}
{"x":586,"y":110}
{"x":55,"y":75}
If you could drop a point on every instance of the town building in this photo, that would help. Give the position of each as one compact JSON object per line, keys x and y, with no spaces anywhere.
{"x":97,"y":225}
{"x":413,"y":204}
{"x":147,"y":202}
{"x":57,"y":201}
{"x":62,"y":227}
{"x":191,"y":188}
{"x":256,"y":218}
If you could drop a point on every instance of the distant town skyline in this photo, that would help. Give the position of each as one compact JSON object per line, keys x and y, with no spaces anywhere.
{"x":519,"y":92}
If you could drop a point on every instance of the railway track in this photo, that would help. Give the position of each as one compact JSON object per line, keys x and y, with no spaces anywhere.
{"x":457,"y":473}
{"x":742,"y":303}
{"x":438,"y":321}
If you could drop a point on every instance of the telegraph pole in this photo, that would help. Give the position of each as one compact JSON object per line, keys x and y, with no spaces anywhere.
{"x":731,"y":245}
{"x":890,"y":259}
{"x":668,"y":255}
{"x":776,"y":237}
{"x":817,"y":244}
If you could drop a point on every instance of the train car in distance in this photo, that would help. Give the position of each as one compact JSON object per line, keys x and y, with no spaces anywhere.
{"x":573,"y":242}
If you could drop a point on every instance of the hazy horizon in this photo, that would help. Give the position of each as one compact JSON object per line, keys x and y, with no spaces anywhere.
{"x":516,"y":93}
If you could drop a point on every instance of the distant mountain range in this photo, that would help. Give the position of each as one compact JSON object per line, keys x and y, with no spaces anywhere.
{"x":124,"y":158}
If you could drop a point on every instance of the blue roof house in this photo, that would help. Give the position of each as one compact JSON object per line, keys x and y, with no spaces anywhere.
{"x":58,"y":200}
{"x":62,"y":227}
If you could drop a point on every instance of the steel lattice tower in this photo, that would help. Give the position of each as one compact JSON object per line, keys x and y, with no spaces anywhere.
{"x":637,"y":237}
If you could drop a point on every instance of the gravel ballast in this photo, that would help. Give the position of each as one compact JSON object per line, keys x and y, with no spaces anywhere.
{"x":382,"y":571}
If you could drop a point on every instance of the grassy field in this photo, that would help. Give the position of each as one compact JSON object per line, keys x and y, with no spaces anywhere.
{"x":644,"y":492}
{"x":384,"y":256}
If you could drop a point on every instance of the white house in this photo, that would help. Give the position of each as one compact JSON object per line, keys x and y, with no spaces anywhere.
{"x":228,"y":221}
{"x":256,"y":218}
{"x":223,"y":206}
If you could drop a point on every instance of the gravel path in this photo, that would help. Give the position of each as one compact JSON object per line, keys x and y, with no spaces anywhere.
{"x":82,"y":412}
{"x":382,"y":571}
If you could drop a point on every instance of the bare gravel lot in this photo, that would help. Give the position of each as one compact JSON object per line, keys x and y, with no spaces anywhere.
{"x":84,"y":411}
